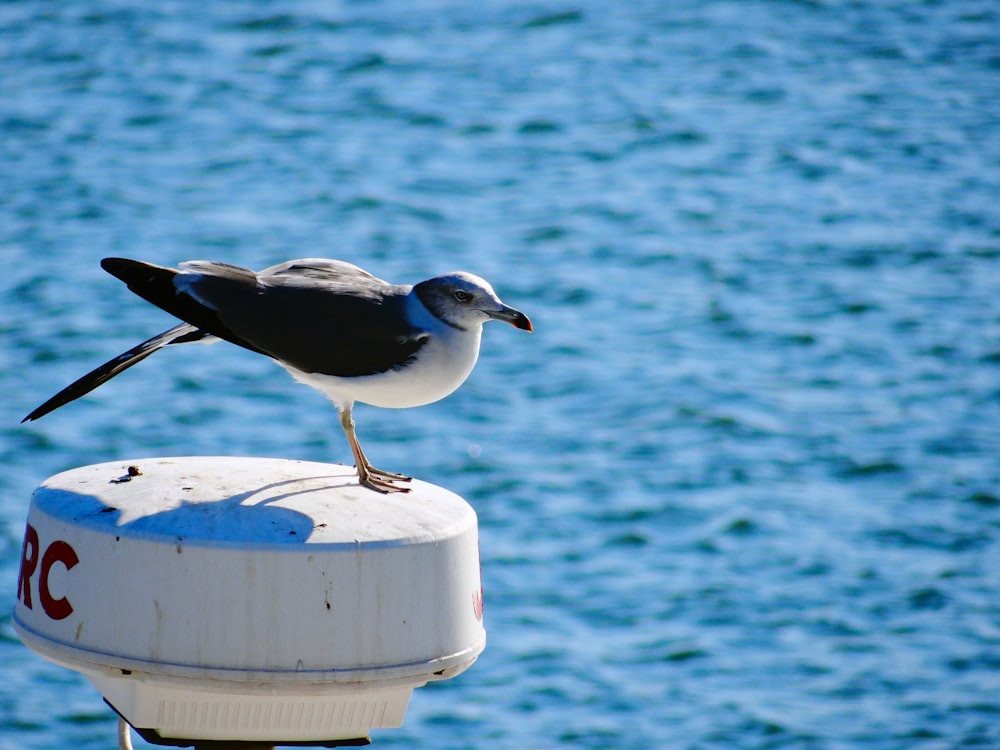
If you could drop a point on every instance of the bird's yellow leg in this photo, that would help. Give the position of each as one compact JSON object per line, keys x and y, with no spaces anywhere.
{"x":368,"y":475}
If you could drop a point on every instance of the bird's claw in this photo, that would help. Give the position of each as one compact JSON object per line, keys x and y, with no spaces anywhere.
{"x":382,"y":481}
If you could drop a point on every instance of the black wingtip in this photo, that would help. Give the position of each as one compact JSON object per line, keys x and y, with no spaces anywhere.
{"x":51,"y":405}
{"x":121,"y":268}
{"x":41,"y":411}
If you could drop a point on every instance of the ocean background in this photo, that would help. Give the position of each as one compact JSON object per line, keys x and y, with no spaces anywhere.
{"x":741,"y":487}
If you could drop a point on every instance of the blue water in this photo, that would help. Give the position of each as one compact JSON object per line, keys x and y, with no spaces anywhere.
{"x":741,"y":488}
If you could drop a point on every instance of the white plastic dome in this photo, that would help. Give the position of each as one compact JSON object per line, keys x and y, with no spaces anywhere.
{"x":250,"y":599}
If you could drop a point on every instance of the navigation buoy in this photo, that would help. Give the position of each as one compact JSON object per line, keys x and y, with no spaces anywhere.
{"x":254,"y":600}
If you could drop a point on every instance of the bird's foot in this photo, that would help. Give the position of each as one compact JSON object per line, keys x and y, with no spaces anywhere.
{"x":390,"y":475}
{"x":382,"y":481}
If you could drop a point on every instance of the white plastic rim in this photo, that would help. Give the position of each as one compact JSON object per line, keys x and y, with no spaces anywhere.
{"x":251,"y":572}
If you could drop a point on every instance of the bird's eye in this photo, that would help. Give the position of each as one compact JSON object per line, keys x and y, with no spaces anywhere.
{"x":462,"y":296}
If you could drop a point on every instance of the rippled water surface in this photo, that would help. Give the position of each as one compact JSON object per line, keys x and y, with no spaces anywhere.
{"x":741,"y":488}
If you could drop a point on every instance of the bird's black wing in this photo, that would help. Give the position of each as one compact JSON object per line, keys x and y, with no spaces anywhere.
{"x":319,"y":316}
{"x":181,"y":334}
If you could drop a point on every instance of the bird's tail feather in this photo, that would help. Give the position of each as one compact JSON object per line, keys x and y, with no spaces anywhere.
{"x":180,"y":334}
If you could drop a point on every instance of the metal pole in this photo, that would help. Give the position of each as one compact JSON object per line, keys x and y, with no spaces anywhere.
{"x":124,"y":735}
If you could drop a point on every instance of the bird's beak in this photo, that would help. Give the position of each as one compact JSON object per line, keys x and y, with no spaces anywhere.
{"x":509,"y":315}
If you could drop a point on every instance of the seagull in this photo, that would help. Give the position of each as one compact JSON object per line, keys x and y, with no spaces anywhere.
{"x":330,"y":324}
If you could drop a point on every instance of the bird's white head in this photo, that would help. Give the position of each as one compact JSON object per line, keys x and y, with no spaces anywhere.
{"x":465,"y":301}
